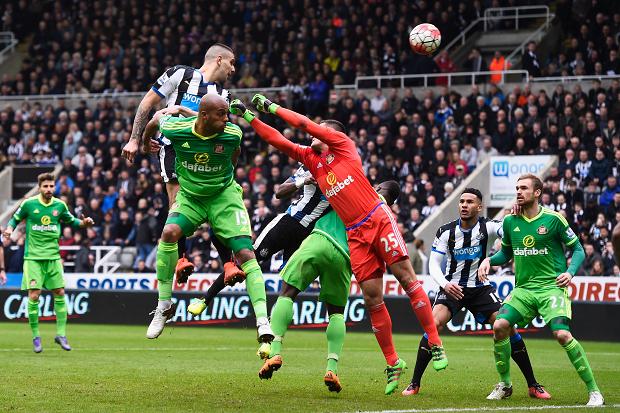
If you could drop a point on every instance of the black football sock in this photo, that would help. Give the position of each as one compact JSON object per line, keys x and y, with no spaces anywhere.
{"x":216,"y":287}
{"x":521,"y":357}
{"x":182,"y":248}
{"x":424,"y":357}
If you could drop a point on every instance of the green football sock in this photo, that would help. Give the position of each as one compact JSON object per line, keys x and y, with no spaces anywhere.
{"x":33,"y":317}
{"x":336,"y":330}
{"x":255,"y":285}
{"x":502,"y":352}
{"x":577,"y":356}
{"x":167,"y":257}
{"x":281,"y":317}
{"x":60,"y":308}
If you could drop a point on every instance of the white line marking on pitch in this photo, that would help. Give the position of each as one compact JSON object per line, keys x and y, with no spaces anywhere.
{"x":488,"y":409}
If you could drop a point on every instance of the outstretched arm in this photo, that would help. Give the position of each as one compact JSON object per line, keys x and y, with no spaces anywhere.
{"x":267,"y":133}
{"x":331,"y":137}
{"x":276,"y":139}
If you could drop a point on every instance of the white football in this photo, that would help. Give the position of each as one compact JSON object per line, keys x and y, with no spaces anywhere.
{"x":425,"y":39}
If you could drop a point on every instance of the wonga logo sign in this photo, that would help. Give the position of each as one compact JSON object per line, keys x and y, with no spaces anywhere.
{"x":504,"y":173}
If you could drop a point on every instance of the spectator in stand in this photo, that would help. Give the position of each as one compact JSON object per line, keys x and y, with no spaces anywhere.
{"x":475,"y":63}
{"x":609,"y":192}
{"x":445,"y":65}
{"x":145,"y":227}
{"x":530,"y":60}
{"x":498,"y":64}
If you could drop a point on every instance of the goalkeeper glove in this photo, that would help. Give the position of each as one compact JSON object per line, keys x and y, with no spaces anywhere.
{"x":238,"y":108}
{"x":263,"y":104}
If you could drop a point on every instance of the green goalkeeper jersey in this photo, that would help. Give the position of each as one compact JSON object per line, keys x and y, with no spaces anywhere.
{"x":43,"y":225}
{"x":331,"y":226}
{"x":203,"y":163}
{"x":537,"y":247}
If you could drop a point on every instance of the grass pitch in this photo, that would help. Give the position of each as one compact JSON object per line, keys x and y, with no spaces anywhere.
{"x":115,"y":369}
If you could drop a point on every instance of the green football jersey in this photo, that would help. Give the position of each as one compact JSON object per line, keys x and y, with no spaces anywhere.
{"x":537,"y":247}
{"x":203,"y":163}
{"x":331,"y":226}
{"x":43,"y":226}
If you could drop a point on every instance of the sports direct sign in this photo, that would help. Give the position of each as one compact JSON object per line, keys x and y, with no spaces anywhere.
{"x":504,"y":173}
{"x":585,"y":289}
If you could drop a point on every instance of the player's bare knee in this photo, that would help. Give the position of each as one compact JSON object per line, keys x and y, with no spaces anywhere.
{"x":371,"y":300}
{"x":439,"y":324}
{"x":59,"y":292}
{"x":403,"y":271}
{"x":289,"y":291}
{"x":563,"y":336}
{"x":244,"y":255}
{"x":501,"y":328}
{"x":171,"y":233}
{"x":33,"y":295}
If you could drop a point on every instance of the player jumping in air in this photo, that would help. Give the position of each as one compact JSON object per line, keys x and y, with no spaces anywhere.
{"x":184,"y":86}
{"x":207,"y":147}
{"x":534,"y":239}
{"x":44,"y":215}
{"x":373,"y":236}
{"x":285,"y":232}
{"x":465,"y":242}
{"x":324,"y":253}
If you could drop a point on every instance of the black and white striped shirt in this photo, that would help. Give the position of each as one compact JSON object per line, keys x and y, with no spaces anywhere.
{"x":464,"y":249}
{"x":184,"y":85}
{"x":312,"y":205}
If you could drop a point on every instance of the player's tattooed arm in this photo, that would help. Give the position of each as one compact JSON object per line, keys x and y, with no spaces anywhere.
{"x":149,"y":101}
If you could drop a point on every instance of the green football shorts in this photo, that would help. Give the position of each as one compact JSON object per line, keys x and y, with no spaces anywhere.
{"x":317,"y":256}
{"x":39,"y":274}
{"x":225,"y":212}
{"x":550,"y":304}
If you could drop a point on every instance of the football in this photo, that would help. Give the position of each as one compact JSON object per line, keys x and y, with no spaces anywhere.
{"x":425,"y":39}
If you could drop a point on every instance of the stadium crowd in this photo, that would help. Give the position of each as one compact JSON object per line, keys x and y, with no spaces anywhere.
{"x":428,"y":143}
{"x":115,"y":46}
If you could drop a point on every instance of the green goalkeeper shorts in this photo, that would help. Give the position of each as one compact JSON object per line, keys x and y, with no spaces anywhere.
{"x":225,"y":212}
{"x":550,"y":304}
{"x":317,"y":256}
{"x":39,"y":274}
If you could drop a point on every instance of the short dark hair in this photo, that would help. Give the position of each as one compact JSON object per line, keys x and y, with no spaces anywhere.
{"x":393,"y":189}
{"x":213,"y":47}
{"x":47,"y":176}
{"x":334,"y":124}
{"x":473,"y":191}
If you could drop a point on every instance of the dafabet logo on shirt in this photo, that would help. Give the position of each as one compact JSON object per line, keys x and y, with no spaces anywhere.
{"x":331,"y":178}
{"x":336,"y":186}
{"x":529,"y":241}
{"x":45,"y":220}
{"x":201,"y":158}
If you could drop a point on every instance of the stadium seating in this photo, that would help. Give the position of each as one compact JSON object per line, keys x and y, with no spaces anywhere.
{"x":338,"y":43}
{"x":428,"y":142}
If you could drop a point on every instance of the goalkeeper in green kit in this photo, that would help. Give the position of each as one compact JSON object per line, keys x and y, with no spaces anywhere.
{"x":534,"y":239}
{"x":44,"y":215}
{"x":207,"y":147}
